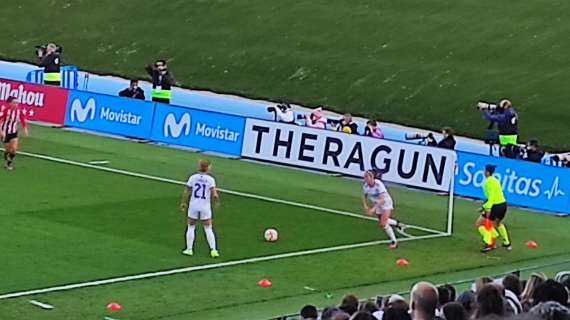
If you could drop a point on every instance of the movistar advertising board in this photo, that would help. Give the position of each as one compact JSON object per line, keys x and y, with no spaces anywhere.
{"x":202,"y":130}
{"x":115,"y":115}
{"x":525,"y":183}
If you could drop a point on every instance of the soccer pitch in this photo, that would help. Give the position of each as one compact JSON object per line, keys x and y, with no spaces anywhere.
{"x":66,"y":222}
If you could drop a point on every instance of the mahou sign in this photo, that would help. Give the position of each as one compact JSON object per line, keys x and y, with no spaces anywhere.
{"x":40,"y":103}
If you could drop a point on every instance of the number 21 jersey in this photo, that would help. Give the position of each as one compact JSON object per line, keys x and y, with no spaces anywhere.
{"x":201,"y":185}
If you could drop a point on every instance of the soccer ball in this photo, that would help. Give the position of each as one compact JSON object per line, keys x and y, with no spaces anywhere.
{"x":271,"y":235}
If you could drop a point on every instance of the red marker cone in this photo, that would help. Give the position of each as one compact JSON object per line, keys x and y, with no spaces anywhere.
{"x":402,"y":262}
{"x":264,"y":283}
{"x":531,"y":244}
{"x":113,"y":307}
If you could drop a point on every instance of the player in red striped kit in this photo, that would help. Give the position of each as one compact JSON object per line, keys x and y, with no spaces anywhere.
{"x":11,"y":117}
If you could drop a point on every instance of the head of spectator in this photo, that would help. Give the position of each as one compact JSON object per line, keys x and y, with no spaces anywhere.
{"x":161,"y":66}
{"x":329,"y":312}
{"x":396,"y":314}
{"x":341,"y":316}
{"x":535,"y":279}
{"x":423,"y":301}
{"x":133,"y":84}
{"x":316,"y":119}
{"x":373,"y":130}
{"x":452,"y":293}
{"x":369,"y":306}
{"x":490,"y":301}
{"x":448,"y":141}
{"x":309,"y":312}
{"x":550,"y":290}
{"x":454,"y":311}
{"x":444,"y":296}
{"x":133,"y":91}
{"x":512,"y":283}
{"x":346,"y":125}
{"x":396,"y":301}
{"x":467,"y":300}
{"x":564,"y":278}
{"x":533,"y":152}
{"x":481,"y":282}
{"x":550,"y":310}
{"x":349,"y":304}
{"x":362,"y":315}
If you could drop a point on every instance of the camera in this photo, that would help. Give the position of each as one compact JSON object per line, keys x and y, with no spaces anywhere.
{"x":40,"y":50}
{"x":487,"y":106}
{"x":282,"y":113}
{"x":418,"y":136}
{"x":283,"y":107}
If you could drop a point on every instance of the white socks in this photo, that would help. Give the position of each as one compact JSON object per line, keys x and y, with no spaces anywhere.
{"x":390,"y":232}
{"x":210,"y":236}
{"x":190,"y":231}
{"x":393,"y":222}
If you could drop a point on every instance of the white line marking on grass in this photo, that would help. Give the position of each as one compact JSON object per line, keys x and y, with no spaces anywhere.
{"x":41,"y":305}
{"x":206,"y":267}
{"x":236,"y":193}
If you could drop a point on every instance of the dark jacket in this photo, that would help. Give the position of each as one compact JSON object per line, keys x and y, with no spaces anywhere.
{"x":138,"y":93}
{"x":165,"y":81}
{"x":506,"y":120}
{"x":534,"y":155}
{"x":447,"y":143}
{"x":51,"y":62}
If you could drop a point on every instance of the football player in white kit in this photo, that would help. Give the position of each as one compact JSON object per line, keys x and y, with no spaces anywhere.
{"x":375,"y":191}
{"x":200,"y":189}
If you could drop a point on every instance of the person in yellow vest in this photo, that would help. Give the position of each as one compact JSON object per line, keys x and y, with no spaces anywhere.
{"x":162,"y":81}
{"x":49,"y":57}
{"x":490,"y":223}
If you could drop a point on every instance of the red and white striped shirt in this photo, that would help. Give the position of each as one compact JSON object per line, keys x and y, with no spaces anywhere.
{"x":9,"y":119}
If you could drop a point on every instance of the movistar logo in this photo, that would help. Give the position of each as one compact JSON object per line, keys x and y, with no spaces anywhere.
{"x":80,"y":113}
{"x":175,"y":128}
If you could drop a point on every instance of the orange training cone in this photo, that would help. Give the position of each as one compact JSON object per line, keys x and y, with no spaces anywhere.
{"x":264,"y":283}
{"x":402,"y":262}
{"x":113,"y":307}
{"x":531,"y":244}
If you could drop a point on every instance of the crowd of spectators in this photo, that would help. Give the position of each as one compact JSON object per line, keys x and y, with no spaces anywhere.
{"x":537,"y":298}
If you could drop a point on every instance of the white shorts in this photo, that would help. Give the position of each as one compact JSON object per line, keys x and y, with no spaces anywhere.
{"x":200,"y":213}
{"x":388,"y":205}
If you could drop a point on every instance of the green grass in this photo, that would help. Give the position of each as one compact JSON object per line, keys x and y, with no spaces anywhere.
{"x":420,"y":63}
{"x":64,"y":224}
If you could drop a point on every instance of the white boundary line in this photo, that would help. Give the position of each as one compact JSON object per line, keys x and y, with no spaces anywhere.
{"x":435,"y":234}
{"x":236,"y":193}
{"x":205,"y":267}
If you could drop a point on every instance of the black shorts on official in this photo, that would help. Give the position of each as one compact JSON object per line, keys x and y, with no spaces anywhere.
{"x":498,"y":212}
{"x":10,"y":136}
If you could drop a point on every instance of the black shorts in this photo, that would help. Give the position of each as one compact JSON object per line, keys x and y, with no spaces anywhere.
{"x":498,"y":212}
{"x":10,"y":136}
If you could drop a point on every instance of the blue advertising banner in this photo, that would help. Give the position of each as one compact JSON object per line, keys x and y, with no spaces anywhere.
{"x":103,"y":113}
{"x":525,"y":183}
{"x":198,"y":129}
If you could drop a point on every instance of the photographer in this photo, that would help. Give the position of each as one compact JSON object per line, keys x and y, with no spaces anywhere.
{"x":133,"y":91}
{"x":316,"y":119}
{"x":49,"y":57}
{"x":162,"y":81}
{"x":507,"y":120}
{"x":345,"y":124}
{"x":373,"y":130}
{"x":532,"y":152}
{"x":448,"y":141}
{"x":282,"y":113}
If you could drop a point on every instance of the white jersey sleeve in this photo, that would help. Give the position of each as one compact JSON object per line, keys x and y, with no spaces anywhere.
{"x":201,"y":185}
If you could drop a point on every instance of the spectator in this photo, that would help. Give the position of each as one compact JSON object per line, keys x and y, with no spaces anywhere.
{"x":513,"y":290}
{"x":533,"y":152}
{"x":448,"y":141}
{"x":371,"y":307}
{"x":309,"y":312}
{"x":49,"y":57}
{"x":362,"y":315}
{"x":282,"y":113}
{"x":452,"y":293}
{"x":372,"y":130}
{"x":481,"y":282}
{"x":396,"y":301}
{"x":133,"y":91}
{"x":346,"y":125}
{"x":533,"y":281}
{"x":316,"y":119}
{"x":444,"y":296}
{"x":341,"y":316}
{"x":490,"y":302}
{"x":467,"y":300}
{"x":549,"y":311}
{"x":550,"y":290}
{"x":423,"y":301}
{"x":454,"y":311}
{"x":329,"y":312}
{"x":349,"y":304}
{"x":396,"y":314}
